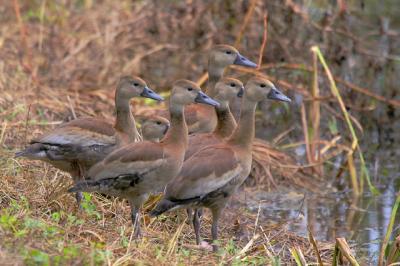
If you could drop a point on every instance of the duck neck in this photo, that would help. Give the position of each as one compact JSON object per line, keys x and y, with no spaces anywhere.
{"x":226,"y":122}
{"x":177,"y":135}
{"x":244,"y":133}
{"x":215,"y":73}
{"x":125,"y":122}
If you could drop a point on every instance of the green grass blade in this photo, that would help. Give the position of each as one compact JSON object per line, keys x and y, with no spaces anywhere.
{"x":355,"y":144}
{"x":389,"y":230}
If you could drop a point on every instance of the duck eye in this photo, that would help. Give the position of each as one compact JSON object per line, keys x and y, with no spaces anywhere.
{"x":190,"y":89}
{"x":228,"y":52}
{"x":158,"y":123}
{"x":263,"y":85}
{"x":232,"y":84}
{"x":135,"y":84}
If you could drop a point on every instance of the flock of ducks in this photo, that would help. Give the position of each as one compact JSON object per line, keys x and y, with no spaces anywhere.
{"x":197,"y":153}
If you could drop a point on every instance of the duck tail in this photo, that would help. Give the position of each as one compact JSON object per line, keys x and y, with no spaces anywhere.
{"x":101,"y":185}
{"x":85,"y":186}
{"x":163,"y":206}
{"x":20,"y":154}
{"x":34,"y":151}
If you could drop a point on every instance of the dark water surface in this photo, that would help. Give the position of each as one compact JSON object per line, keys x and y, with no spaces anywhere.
{"x":362,"y":221}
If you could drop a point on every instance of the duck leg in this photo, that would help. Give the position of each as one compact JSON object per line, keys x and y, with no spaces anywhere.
{"x":77,"y":175}
{"x":216,"y":213}
{"x":196,"y":224}
{"x":189,"y":212}
{"x":136,"y":204}
{"x":135,"y":217}
{"x":79,"y":197}
{"x":200,"y":212}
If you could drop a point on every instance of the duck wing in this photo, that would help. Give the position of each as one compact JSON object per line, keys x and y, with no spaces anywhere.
{"x":135,"y":158}
{"x":200,"y":141}
{"x":124,"y":168}
{"x":82,"y":132}
{"x":206,"y":171}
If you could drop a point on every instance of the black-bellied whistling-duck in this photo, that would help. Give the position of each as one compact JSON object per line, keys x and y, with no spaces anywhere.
{"x":213,"y":174}
{"x":154,"y":127}
{"x":76,"y":146}
{"x":202,"y":119}
{"x":135,"y":170}
{"x":226,"y":90}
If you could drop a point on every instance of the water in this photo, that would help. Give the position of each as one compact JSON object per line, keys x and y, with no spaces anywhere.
{"x":362,"y":221}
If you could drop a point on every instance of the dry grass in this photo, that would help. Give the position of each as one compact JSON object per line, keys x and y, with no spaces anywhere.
{"x":39,"y":221}
{"x":56,"y":74}
{"x":63,"y":59}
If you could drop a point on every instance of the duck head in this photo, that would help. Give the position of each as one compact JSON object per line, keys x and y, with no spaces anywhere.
{"x":259,"y":88}
{"x":129,"y":87}
{"x":224,"y":55}
{"x":227,"y":89}
{"x":185,"y":92}
{"x":154,"y":127}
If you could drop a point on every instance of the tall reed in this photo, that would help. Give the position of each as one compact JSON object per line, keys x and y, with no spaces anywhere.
{"x":364,"y":173}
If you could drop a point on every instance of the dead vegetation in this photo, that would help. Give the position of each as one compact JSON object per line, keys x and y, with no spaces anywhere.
{"x":61,"y":60}
{"x":48,"y":226}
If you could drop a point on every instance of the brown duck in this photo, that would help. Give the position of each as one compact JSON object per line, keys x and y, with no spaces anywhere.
{"x":200,"y":118}
{"x":154,"y":127}
{"x":210,"y":177}
{"x":134,"y":171}
{"x":77,"y":145}
{"x":226,"y":90}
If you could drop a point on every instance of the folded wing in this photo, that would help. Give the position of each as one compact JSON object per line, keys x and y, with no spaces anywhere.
{"x":206,"y":171}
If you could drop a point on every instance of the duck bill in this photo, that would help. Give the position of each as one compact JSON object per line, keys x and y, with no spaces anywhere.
{"x":166,"y":129}
{"x":149,"y":93}
{"x":277,"y":95}
{"x":243,"y":61}
{"x":241,"y":92}
{"x":205,"y":99}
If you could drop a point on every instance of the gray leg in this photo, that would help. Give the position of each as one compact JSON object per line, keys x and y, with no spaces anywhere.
{"x":216,"y":213}
{"x":196,"y":225}
{"x":136,"y":203}
{"x":78,"y":175}
{"x":78,"y":197}
{"x":135,"y":217}
{"x":189,"y":212}
{"x":200,"y":212}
